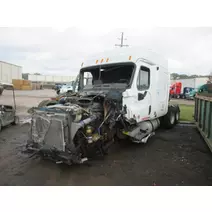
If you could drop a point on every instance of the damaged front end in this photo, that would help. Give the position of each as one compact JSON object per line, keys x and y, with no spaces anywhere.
{"x":74,"y":132}
{"x":53,"y":133}
{"x":84,"y":125}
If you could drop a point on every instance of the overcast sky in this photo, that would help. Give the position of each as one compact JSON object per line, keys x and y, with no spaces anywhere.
{"x":61,"y":51}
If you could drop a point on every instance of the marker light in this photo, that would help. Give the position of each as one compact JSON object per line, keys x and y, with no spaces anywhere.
{"x":107,"y":60}
{"x":130,"y":57}
{"x":97,"y":61}
{"x":102,"y":60}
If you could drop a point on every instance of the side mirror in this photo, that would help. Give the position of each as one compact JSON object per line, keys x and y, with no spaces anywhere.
{"x":141,"y":96}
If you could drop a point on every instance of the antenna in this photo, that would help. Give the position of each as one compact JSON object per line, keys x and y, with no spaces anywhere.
{"x":122,"y":41}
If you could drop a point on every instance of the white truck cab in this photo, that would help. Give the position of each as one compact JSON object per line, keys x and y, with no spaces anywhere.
{"x":147,"y":95}
{"x":123,"y":93}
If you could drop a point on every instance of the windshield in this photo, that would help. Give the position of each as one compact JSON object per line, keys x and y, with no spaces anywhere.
{"x":107,"y":74}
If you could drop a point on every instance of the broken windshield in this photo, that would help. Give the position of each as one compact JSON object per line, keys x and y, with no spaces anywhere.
{"x":118,"y":73}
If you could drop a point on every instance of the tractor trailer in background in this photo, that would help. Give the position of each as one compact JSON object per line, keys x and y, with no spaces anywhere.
{"x":175,"y":90}
{"x":188,"y":86}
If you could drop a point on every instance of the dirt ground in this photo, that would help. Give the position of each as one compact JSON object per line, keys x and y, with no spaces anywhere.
{"x":175,"y":157}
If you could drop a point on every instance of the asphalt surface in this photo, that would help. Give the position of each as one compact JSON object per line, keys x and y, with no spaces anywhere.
{"x":175,"y":157}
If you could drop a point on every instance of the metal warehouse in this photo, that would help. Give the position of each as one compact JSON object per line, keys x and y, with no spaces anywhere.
{"x":9,"y":71}
{"x":50,"y":79}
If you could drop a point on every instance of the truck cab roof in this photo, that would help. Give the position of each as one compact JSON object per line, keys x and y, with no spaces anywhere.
{"x":130,"y":54}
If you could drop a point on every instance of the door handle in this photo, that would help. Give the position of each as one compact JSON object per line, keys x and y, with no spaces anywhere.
{"x":150,"y":108}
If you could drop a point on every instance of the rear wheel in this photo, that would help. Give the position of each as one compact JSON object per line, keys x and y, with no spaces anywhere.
{"x":177,"y":114}
{"x":169,"y":120}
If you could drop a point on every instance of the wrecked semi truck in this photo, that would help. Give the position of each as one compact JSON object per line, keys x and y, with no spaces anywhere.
{"x":128,"y":98}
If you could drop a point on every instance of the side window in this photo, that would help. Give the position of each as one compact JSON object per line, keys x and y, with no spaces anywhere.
{"x":88,"y":78}
{"x":143,"y":80}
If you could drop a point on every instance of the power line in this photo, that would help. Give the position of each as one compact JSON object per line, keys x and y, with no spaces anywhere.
{"x":122,"y":41}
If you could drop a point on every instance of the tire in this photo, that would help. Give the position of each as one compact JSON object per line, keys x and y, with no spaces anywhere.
{"x":0,"y":126}
{"x":43,"y":103}
{"x":169,"y":120}
{"x":16,"y":121}
{"x":177,"y":114}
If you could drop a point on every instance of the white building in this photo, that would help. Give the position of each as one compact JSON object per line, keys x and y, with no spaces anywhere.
{"x":47,"y":79}
{"x":9,"y":71}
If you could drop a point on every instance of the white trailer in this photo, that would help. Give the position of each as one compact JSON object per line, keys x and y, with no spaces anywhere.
{"x":200,"y":81}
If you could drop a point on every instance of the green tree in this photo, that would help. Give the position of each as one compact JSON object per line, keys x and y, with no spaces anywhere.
{"x":25,"y":76}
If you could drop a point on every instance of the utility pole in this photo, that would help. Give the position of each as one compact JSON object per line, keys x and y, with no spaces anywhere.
{"x":122,"y":41}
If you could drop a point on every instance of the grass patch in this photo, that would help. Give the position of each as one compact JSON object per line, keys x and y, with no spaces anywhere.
{"x":186,"y":112}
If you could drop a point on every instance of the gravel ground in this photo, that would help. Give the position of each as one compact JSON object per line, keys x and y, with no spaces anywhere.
{"x":26,"y":99}
{"x":175,"y":157}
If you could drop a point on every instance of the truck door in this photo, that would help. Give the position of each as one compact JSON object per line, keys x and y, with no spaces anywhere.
{"x":143,"y":87}
{"x":141,"y":100}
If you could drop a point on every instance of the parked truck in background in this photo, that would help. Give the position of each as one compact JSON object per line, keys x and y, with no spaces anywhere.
{"x":175,"y":90}
{"x":206,"y":88}
{"x":128,"y":98}
{"x":186,"y":92}
{"x":191,"y":84}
